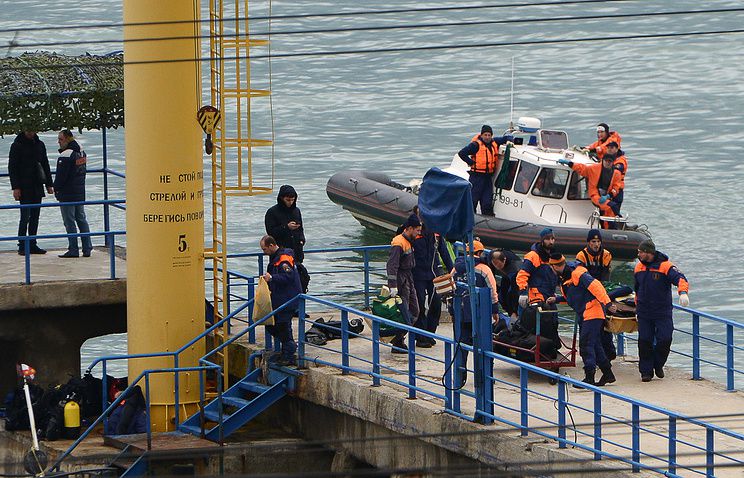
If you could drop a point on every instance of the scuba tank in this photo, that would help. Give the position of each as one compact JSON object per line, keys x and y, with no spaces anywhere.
{"x":71,"y":420}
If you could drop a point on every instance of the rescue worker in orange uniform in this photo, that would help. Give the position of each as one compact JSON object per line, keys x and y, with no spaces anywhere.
{"x":654,"y":275}
{"x":536,"y":280}
{"x":588,"y":298}
{"x":617,"y":185}
{"x":601,"y":182}
{"x":596,"y":259}
{"x":284,"y":282}
{"x":482,"y":155}
{"x":604,"y":136}
{"x":400,"y":275}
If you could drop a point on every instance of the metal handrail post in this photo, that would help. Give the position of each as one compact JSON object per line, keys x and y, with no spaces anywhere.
{"x":375,"y":354}
{"x":447,"y":377}
{"x":345,"y":342}
{"x":672,"y":445}
{"x":106,"y":217}
{"x":147,"y":407}
{"x":457,"y":378}
{"x":27,"y":259}
{"x":597,"y":425}
{"x":695,"y":347}
{"x":524,"y":411}
{"x":104,"y":394}
{"x":710,"y":467}
{"x":176,"y":383}
{"x":411,"y":365}
{"x":621,"y":344}
{"x":636,"y":437}
{"x":112,"y":256}
{"x":301,"y":332}
{"x":483,"y":342}
{"x":729,"y":358}
{"x":251,"y":286}
{"x":561,"y":413}
{"x":366,"y":278}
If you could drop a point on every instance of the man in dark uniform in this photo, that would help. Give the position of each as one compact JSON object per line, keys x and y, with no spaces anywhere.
{"x":654,"y":276}
{"x":482,"y":155}
{"x":28,"y":167}
{"x":400,"y":274}
{"x":69,"y":186}
{"x":284,"y":283}
{"x":428,"y":249}
{"x":283,"y":222}
{"x":506,"y":265}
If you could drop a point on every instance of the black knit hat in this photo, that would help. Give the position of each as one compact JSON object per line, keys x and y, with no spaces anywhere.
{"x":647,"y":246}
{"x":412,"y":221}
{"x":594,"y":234}
{"x":604,"y":126}
{"x":486,"y":129}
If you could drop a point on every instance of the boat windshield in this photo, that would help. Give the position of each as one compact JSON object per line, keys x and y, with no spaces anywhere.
{"x":510,"y":178}
{"x":578,"y":188}
{"x":551,"y":183}
{"x":525,"y":176}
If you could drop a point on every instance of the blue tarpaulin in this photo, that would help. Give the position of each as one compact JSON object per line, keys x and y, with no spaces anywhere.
{"x":445,"y":204}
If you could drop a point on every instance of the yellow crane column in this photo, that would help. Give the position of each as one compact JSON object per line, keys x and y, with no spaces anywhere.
{"x":165,"y":209}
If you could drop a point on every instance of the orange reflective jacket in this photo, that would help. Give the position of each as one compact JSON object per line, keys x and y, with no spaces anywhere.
{"x":592,"y":172}
{"x":620,"y":165}
{"x":487,"y":158}
{"x":601,"y":146}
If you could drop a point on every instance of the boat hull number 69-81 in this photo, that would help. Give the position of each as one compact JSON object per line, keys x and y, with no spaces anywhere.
{"x":517,"y":203}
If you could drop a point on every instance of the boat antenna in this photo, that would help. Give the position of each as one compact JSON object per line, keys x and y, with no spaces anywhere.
{"x":511,"y":107}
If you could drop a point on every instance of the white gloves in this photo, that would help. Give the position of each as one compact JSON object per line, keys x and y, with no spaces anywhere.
{"x":523,"y":301}
{"x":684,"y":299}
{"x":393,"y":292}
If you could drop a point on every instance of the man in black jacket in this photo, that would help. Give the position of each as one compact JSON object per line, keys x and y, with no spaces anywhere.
{"x":506,"y":265}
{"x":284,"y":223}
{"x":28,"y":167}
{"x":69,"y":186}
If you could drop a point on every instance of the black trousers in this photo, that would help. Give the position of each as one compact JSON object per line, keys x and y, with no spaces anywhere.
{"x":29,"y":222}
{"x":282,"y":331}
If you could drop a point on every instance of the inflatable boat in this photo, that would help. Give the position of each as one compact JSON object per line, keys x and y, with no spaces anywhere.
{"x":537,"y":192}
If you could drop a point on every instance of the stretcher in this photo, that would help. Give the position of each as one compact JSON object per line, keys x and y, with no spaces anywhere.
{"x":543,"y":353}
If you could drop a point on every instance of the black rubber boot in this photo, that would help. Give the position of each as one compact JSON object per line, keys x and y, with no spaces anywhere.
{"x":607,"y":376}
{"x":588,"y":377}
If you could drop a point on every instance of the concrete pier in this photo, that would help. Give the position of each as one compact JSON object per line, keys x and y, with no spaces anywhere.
{"x":45,"y":323}
{"x":363,"y":412}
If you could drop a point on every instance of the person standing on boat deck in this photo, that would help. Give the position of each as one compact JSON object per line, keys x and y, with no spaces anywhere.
{"x":283,"y":222}
{"x":482,"y":155}
{"x":400,"y":264}
{"x":601,"y":180}
{"x":654,"y":275}
{"x":617,"y":184}
{"x":506,"y":265}
{"x":28,"y":168}
{"x":536,"y":279}
{"x":588,"y":298}
{"x":284,"y":284}
{"x":428,"y":248}
{"x":69,"y":186}
{"x":604,"y":136}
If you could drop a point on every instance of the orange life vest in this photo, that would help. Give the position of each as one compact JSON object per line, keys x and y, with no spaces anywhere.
{"x":487,"y":158}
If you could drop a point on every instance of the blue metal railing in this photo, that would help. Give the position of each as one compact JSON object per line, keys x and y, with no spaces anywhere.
{"x":322,"y":254}
{"x":719,"y":338}
{"x":700,"y":437}
{"x":109,"y":235}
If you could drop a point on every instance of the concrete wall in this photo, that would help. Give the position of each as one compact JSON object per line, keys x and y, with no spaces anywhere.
{"x":380,"y":426}
{"x":45,"y":324}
